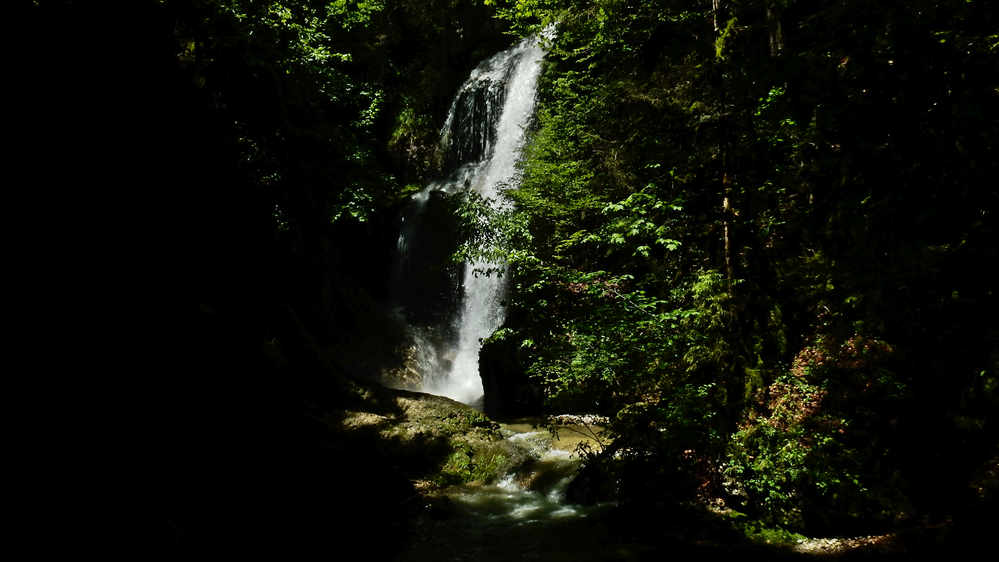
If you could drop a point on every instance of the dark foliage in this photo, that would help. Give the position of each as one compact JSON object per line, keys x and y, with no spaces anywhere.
{"x":735,"y":209}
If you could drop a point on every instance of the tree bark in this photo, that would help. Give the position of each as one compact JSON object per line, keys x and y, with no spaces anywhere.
{"x":726,"y":213}
{"x":775,"y":28}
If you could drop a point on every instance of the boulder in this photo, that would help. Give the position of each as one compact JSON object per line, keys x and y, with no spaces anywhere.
{"x":509,"y":392}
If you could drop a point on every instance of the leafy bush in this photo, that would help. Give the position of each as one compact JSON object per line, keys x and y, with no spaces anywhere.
{"x":821,"y":455}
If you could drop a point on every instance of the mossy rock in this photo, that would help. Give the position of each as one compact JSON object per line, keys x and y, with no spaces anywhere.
{"x":432,"y":438}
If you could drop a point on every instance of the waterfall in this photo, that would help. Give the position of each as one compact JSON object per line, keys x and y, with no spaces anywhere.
{"x":482,"y":137}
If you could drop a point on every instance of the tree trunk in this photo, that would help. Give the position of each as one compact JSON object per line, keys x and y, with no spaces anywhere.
{"x":775,"y":28}
{"x":726,"y":213}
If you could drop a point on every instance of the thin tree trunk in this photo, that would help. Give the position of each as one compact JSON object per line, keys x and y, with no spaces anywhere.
{"x":726,"y":213}
{"x":775,"y":29}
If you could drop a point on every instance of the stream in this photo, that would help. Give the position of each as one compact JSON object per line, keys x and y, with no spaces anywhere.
{"x":521,"y":516}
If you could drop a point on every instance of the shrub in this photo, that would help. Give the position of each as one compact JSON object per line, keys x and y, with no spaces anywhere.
{"x":819,"y":457}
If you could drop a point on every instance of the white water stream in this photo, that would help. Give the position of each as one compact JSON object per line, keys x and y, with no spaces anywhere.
{"x":483,"y":138}
{"x":522,"y":516}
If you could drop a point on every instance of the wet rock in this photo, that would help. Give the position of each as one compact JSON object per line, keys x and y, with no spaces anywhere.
{"x":578,"y":419}
{"x":509,"y":392}
{"x":594,"y":483}
{"x":542,"y":476}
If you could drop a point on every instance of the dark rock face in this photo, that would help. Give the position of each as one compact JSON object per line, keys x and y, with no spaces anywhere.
{"x":508,"y":390}
{"x":594,"y":483}
{"x":427,"y":283}
{"x":472,"y":131}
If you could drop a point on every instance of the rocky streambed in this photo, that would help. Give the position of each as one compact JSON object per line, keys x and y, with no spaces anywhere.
{"x":483,"y":491}
{"x":523,"y":514}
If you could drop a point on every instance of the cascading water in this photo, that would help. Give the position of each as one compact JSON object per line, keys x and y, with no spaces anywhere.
{"x":522,"y":515}
{"x":483,"y":137}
